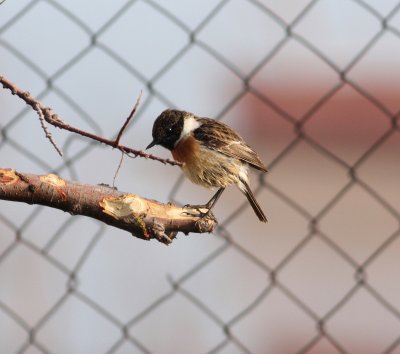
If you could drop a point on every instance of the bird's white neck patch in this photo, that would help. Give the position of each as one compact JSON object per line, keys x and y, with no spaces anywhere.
{"x":189,"y":125}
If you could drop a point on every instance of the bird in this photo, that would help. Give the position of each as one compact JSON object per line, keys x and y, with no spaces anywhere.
{"x":212,"y":154}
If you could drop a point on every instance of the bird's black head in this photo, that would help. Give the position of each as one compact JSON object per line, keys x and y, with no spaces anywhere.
{"x":167,"y":128}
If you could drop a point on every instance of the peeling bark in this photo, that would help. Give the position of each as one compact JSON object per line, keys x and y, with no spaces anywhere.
{"x":143,"y":218}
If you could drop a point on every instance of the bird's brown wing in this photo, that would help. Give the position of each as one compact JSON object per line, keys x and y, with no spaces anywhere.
{"x":222,"y":138}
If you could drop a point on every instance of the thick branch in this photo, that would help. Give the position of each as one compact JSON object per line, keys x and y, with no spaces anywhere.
{"x":143,"y":218}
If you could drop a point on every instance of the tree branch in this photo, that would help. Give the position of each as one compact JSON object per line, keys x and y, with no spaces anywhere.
{"x":55,"y":120}
{"x":143,"y":218}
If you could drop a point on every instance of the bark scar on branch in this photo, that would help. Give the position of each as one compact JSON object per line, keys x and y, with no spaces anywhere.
{"x":143,"y":218}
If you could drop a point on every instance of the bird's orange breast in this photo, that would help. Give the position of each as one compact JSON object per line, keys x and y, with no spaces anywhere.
{"x":186,"y":150}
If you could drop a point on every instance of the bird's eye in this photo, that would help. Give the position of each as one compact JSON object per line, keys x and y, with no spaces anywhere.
{"x":170,"y":129}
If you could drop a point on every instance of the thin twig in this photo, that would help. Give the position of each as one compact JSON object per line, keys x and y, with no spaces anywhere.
{"x":118,"y":168}
{"x":46,"y":131}
{"x":56,"y":121}
{"x":116,"y":143}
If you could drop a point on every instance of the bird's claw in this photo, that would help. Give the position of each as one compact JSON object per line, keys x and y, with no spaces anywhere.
{"x":197,"y":208}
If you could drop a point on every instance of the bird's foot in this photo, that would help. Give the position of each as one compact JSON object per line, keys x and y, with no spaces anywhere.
{"x":201,"y":211}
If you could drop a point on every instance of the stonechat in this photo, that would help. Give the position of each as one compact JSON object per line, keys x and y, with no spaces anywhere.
{"x":212,"y":154}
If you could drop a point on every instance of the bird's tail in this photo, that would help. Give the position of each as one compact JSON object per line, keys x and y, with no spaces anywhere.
{"x":244,"y":187}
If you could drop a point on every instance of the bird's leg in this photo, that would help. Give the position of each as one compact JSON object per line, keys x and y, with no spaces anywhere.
{"x":214,"y":199}
{"x":209,"y":204}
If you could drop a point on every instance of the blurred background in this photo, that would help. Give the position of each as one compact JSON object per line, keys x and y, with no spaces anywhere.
{"x":313,"y":86}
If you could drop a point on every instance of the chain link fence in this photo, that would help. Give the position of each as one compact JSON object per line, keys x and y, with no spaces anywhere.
{"x":312,"y":85}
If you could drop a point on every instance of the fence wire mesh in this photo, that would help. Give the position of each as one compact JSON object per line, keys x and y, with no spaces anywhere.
{"x":321,"y":277}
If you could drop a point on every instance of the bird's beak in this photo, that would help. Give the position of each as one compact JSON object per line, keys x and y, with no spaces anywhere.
{"x":151,"y":144}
